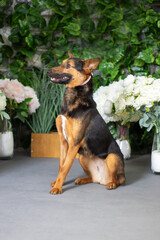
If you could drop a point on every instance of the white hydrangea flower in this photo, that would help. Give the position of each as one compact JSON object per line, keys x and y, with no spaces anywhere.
{"x":108,"y":107}
{"x":116,"y":100}
{"x":129,"y":80}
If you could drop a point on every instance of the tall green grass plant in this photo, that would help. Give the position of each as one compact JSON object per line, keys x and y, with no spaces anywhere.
{"x":50,"y":97}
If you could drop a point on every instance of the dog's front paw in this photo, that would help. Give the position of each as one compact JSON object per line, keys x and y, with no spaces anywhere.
{"x":112,"y":185}
{"x":53,"y":183}
{"x":56,"y":190}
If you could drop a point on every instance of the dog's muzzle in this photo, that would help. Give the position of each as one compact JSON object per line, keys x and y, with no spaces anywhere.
{"x":63,"y":78}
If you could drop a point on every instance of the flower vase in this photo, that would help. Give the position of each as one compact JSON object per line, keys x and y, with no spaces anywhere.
{"x":6,"y":140}
{"x":123,"y":140}
{"x":155,"y":155}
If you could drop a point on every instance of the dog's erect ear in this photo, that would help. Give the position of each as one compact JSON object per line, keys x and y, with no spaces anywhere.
{"x":91,"y":64}
{"x":70,"y":55}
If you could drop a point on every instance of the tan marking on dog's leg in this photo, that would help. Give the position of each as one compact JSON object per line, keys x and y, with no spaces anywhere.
{"x":84,"y":161}
{"x":112,"y":162}
{"x":63,"y":145}
{"x":63,"y":171}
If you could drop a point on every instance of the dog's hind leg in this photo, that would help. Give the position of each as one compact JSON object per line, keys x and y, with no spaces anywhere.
{"x":84,"y":161}
{"x":83,"y":180}
{"x":113,"y":163}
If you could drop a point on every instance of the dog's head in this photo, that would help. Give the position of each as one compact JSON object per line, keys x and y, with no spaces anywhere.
{"x":73,"y":71}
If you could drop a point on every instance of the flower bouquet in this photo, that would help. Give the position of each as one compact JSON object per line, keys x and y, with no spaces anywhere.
{"x":16,"y":101}
{"x":124,"y":101}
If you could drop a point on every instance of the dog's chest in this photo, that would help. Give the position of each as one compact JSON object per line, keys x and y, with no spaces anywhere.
{"x":64,"y":126}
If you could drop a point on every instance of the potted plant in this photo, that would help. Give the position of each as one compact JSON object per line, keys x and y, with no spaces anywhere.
{"x":16,"y":101}
{"x":44,"y":138}
{"x":151,"y":119}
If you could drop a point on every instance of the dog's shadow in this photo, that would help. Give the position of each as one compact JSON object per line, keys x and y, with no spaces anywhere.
{"x":70,"y":184}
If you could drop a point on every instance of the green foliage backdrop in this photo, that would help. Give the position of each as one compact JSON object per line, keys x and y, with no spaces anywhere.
{"x":124,"y":33}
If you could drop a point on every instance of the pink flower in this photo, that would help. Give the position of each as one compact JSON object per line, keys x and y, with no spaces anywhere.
{"x":15,"y":90}
{"x":3,"y":83}
{"x":34,"y":103}
{"x":29,"y":92}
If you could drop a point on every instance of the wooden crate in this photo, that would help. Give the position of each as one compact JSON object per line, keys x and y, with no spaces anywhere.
{"x":45,"y":145}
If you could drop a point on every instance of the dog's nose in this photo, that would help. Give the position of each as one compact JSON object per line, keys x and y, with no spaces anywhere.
{"x":49,"y":72}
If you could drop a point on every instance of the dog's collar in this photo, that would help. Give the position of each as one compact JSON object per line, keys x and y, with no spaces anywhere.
{"x":85,"y":82}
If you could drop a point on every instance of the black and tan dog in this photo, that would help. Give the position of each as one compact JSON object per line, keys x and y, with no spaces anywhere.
{"x":82,"y":130}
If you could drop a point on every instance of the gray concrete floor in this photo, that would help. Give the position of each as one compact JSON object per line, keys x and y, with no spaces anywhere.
{"x":29,"y":212}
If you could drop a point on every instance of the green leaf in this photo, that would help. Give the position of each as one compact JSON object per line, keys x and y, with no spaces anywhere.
{"x":107,"y":3}
{"x":30,"y":40}
{"x":76,"y":4}
{"x":27,"y":100}
{"x":116,"y":54}
{"x":139,"y":63}
{"x":3,"y":114}
{"x":15,"y":29}
{"x":14,"y":38}
{"x":102,"y":25}
{"x":25,"y":77}
{"x":35,"y":19}
{"x":122,"y":30}
{"x":66,"y":17}
{"x":158,"y":59}
{"x":6,"y":115}
{"x":116,"y":15}
{"x":135,"y":40}
{"x":115,"y":71}
{"x":158,"y":23}
{"x":151,"y":16}
{"x":73,"y":29}
{"x":46,"y":58}
{"x":22,"y":8}
{"x":56,"y":10}
{"x":134,"y":29}
{"x":61,"y":3}
{"x":143,"y":120}
{"x":23,"y":27}
{"x":107,"y":68}
{"x":7,"y":51}
{"x":38,"y":40}
{"x":28,"y":52}
{"x":87,"y":26}
{"x":16,"y":66}
{"x":20,"y":117}
{"x":147,"y":56}
{"x":16,"y":17}
{"x":24,"y":114}
{"x":53,"y":22}
{"x":3,"y":3}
